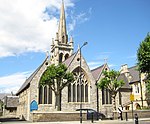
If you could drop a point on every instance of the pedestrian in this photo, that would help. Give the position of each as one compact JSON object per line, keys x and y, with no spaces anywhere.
{"x":120,"y":109}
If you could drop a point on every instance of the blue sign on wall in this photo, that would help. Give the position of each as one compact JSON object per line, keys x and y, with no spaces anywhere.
{"x":33,"y":105}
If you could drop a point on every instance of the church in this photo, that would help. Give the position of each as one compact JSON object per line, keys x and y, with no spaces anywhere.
{"x":34,"y":98}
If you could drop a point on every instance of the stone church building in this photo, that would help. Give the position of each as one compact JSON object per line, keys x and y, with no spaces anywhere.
{"x":34,"y":98}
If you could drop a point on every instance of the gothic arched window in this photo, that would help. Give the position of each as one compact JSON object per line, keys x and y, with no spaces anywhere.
{"x":40,"y":94}
{"x":69,"y":93}
{"x":106,"y":96}
{"x":50,"y":96}
{"x":45,"y":95}
{"x":77,"y":88}
{"x":60,"y":57}
{"x":86,"y":93}
{"x":63,"y":39}
{"x":74,"y":92}
{"x":78,"y":93}
{"x":66,"y":56}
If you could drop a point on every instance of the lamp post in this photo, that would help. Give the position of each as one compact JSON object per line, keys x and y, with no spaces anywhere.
{"x":85,"y":43}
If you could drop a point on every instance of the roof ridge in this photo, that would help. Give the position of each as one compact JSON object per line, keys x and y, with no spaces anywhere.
{"x":24,"y":85}
{"x":132,"y":66}
{"x":73,"y":58}
{"x":98,"y":67}
{"x":73,"y":55}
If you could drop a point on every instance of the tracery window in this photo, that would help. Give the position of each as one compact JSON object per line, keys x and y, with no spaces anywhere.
{"x":77,"y":88}
{"x":106,"y":97}
{"x":45,"y":95}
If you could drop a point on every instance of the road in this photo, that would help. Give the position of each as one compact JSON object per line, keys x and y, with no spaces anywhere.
{"x":141,"y":121}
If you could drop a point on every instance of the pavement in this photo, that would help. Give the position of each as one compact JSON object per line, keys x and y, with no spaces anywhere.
{"x":130,"y":121}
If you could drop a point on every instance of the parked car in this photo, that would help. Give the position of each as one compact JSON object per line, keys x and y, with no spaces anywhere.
{"x":91,"y":112}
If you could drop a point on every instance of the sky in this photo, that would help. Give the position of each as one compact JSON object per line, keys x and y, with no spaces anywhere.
{"x":112,"y":28}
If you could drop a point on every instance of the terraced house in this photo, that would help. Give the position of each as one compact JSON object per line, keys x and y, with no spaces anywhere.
{"x":136,"y":81}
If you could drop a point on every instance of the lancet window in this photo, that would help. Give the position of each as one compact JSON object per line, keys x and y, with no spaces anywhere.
{"x":60,"y":57}
{"x":66,"y":56}
{"x":106,"y":97}
{"x":78,"y":91}
{"x":45,"y":95}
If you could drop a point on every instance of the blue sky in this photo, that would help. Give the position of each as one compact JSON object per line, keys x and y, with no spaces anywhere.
{"x":112,"y":28}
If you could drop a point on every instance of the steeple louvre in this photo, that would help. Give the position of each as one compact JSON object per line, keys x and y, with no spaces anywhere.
{"x":62,"y":32}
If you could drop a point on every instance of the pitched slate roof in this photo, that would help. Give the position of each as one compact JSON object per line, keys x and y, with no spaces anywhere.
{"x":27,"y":82}
{"x":69,"y":60}
{"x":134,"y":73}
{"x":124,"y":78}
{"x":11,"y":101}
{"x":2,"y":95}
{"x":97,"y":72}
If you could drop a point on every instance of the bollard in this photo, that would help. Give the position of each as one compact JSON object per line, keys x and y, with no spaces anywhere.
{"x":92,"y":117}
{"x":126,"y":116}
{"x":136,"y":119}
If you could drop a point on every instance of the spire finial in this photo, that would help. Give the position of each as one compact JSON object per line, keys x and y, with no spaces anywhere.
{"x":78,"y":47}
{"x":62,"y":32}
{"x":105,"y":60}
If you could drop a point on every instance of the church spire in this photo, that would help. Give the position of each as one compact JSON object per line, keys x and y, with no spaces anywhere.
{"x":62,"y":32}
{"x":61,"y":48}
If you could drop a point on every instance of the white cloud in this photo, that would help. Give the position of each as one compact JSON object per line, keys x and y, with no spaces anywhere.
{"x":80,"y":18}
{"x":96,"y":64}
{"x":112,"y":65}
{"x":27,"y":25}
{"x":13,"y":82}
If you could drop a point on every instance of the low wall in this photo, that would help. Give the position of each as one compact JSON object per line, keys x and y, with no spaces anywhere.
{"x":140,"y":113}
{"x":1,"y":113}
{"x":58,"y":116}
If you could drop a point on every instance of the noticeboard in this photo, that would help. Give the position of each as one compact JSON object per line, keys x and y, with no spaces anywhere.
{"x":131,"y":97}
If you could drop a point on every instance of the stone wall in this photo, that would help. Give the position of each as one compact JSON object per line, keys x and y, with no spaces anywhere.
{"x":1,"y":113}
{"x":23,"y":107}
{"x":140,"y":113}
{"x":58,"y":116}
{"x":92,"y":100}
{"x":10,"y":112}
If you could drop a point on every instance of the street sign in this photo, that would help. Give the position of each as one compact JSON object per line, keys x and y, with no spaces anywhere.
{"x":131,"y":97}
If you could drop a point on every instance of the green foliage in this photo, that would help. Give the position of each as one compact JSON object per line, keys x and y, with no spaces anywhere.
{"x":148,"y":85}
{"x":143,"y":55}
{"x":110,"y":81}
{"x":144,"y":108}
{"x":57,"y":77}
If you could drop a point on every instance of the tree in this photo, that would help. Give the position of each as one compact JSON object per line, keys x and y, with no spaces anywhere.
{"x":57,"y":77}
{"x":110,"y":81}
{"x":143,"y":58}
